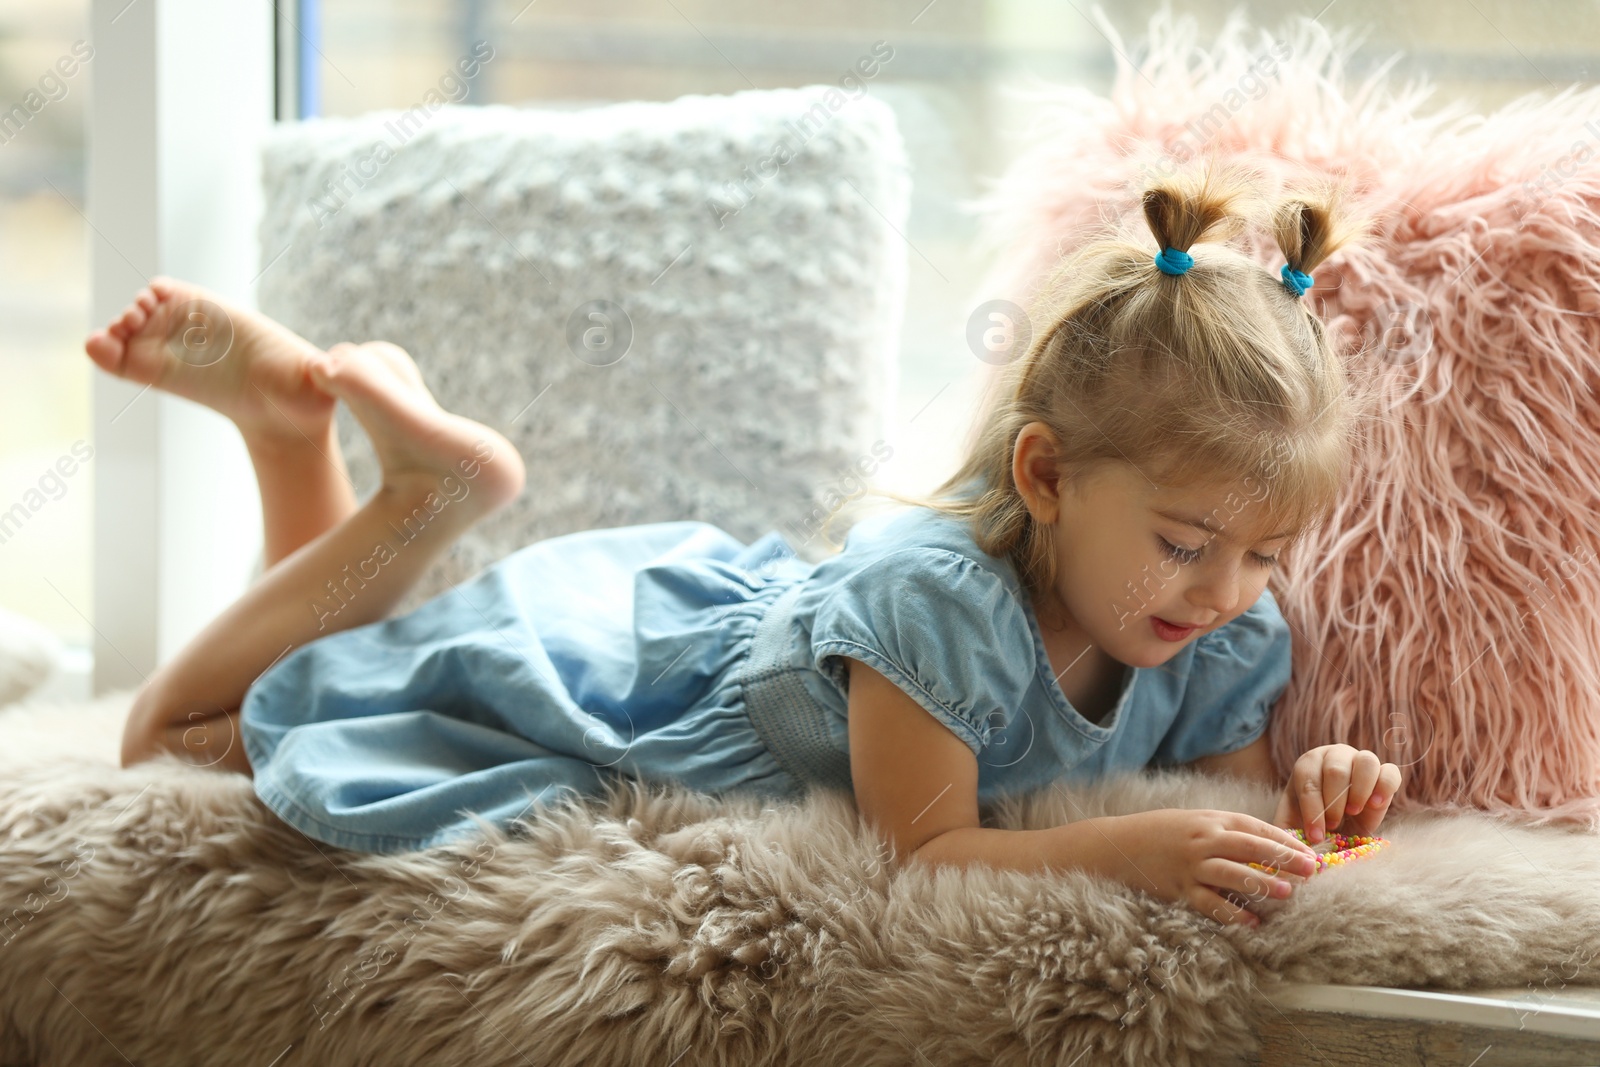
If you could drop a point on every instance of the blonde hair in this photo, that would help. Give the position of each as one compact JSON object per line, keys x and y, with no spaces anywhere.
{"x":1217,"y":376}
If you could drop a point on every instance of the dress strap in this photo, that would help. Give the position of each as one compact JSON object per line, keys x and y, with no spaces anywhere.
{"x":786,"y":717}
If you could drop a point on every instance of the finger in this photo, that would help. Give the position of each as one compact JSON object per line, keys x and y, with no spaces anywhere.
{"x":1335,"y":784}
{"x":1288,"y":856}
{"x":1364,"y":770}
{"x":1251,"y":885}
{"x":1308,"y":790}
{"x":1389,"y":781}
{"x":1274,"y":834}
{"x":1210,"y":903}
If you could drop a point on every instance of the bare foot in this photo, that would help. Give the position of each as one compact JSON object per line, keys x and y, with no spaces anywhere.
{"x":419,"y":444}
{"x":242,"y":364}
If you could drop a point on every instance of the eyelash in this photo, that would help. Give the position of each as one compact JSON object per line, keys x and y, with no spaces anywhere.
{"x":1189,"y":555}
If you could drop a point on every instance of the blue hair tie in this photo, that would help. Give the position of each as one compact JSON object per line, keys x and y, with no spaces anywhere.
{"x":1174,"y":261}
{"x":1296,"y":281}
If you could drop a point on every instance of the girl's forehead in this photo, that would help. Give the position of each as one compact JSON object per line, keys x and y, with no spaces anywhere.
{"x":1204,"y":496}
{"x":1243,"y":511}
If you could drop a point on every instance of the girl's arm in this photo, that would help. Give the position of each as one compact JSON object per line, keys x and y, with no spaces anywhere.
{"x":916,"y":784}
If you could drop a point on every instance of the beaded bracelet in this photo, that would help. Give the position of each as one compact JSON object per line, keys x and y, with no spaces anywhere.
{"x":1335,"y":849}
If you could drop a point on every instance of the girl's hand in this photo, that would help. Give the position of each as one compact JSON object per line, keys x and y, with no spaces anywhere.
{"x":1201,"y":858}
{"x":1335,"y":781}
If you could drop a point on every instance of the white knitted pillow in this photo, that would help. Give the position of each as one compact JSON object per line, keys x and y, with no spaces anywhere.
{"x":750,"y":242}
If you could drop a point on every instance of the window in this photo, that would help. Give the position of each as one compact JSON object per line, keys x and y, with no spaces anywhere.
{"x":46,"y":488}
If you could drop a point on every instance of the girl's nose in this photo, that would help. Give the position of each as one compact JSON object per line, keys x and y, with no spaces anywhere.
{"x":1217,"y":591}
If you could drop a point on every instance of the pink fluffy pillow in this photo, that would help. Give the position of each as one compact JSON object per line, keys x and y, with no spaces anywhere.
{"x":1448,"y":617}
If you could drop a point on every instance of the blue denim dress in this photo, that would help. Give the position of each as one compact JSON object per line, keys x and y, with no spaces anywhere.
{"x":672,"y":652}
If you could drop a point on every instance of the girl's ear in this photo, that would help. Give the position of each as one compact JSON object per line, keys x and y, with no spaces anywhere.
{"x":1035,"y":468}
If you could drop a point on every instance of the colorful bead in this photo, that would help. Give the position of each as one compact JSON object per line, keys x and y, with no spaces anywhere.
{"x":1338,"y":848}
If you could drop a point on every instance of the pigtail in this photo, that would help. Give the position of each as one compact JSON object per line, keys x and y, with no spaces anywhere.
{"x":1192,"y":205}
{"x":1312,"y":224}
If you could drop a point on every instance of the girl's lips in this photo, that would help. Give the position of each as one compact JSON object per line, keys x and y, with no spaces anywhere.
{"x":1168,"y":632}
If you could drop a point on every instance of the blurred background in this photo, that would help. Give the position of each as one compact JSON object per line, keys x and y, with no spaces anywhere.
{"x":952,"y":59}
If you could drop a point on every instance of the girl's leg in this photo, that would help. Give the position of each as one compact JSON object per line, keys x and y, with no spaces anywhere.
{"x":441,"y":474}
{"x":305,"y":491}
{"x":255,"y":371}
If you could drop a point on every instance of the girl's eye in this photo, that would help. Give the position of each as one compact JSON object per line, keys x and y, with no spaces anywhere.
{"x":1189,"y":555}
{"x":1182,"y":555}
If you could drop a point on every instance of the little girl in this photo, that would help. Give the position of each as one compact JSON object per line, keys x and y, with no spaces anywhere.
{"x":1086,"y":595}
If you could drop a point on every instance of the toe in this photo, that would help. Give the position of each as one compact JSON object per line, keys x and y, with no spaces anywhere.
{"x":347,"y":369}
{"x":105,"y":350}
{"x":133,"y":319}
{"x":324,"y":368}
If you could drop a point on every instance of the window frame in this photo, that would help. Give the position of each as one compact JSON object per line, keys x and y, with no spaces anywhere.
{"x":183,"y":92}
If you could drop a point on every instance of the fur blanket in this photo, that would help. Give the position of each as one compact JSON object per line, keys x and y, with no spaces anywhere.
{"x":162,"y":914}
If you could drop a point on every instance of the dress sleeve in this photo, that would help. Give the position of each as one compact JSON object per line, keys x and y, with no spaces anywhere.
{"x":1238,"y":673}
{"x":939,"y":625}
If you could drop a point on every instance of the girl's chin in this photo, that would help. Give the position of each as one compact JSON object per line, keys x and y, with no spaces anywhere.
{"x":1153,"y":654}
